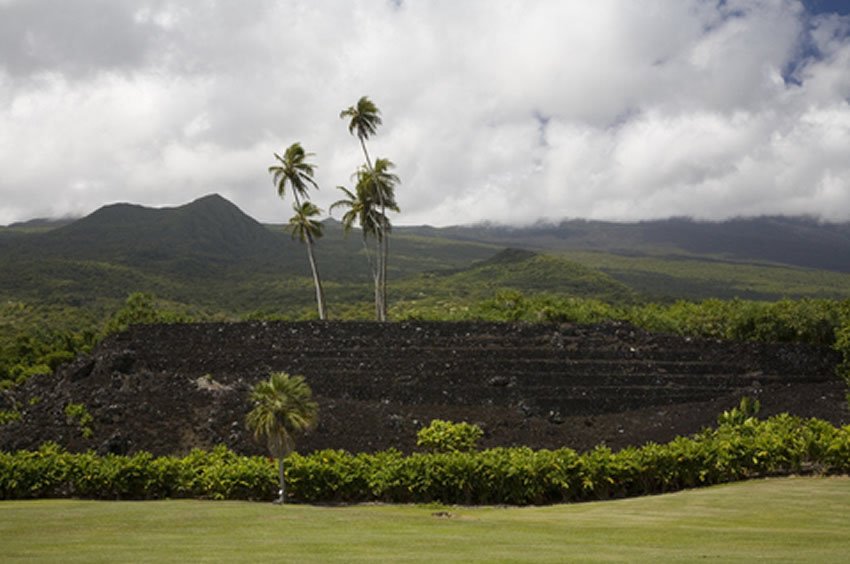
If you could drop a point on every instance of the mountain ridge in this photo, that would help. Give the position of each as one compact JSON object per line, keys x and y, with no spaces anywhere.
{"x":216,"y":226}
{"x":211,"y":249}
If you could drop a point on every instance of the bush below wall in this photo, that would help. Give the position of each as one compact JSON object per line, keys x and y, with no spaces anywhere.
{"x":732,"y":451}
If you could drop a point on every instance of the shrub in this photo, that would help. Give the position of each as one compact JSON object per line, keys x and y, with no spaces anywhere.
{"x":743,"y":414}
{"x":9,"y":416}
{"x":78,"y":414}
{"x":444,"y":436}
{"x":736,"y":449}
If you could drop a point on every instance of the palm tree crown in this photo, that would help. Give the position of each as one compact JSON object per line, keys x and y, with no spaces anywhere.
{"x":379,"y":182}
{"x":361,"y":210}
{"x":362,"y":204}
{"x":283,"y":406}
{"x":302,"y":225}
{"x":364,"y":118}
{"x":295,"y":171}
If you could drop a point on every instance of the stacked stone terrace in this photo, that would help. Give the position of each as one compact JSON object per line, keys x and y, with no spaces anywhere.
{"x":168,"y":388}
{"x":540,"y":368}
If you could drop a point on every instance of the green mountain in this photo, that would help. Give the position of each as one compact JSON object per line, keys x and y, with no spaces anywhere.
{"x":210,"y":229}
{"x":520,"y":270}
{"x":206,"y":253}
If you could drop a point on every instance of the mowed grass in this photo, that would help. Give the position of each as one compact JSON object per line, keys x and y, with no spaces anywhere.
{"x":773,"y":520}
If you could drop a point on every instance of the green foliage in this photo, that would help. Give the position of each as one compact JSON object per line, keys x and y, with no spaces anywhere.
{"x":444,"y":436}
{"x":77,"y":414}
{"x":53,"y":472}
{"x":141,"y":308}
{"x":734,"y":450}
{"x":9,"y":416}
{"x":814,"y":321}
{"x":37,"y":340}
{"x":842,"y":344}
{"x":744,"y":414}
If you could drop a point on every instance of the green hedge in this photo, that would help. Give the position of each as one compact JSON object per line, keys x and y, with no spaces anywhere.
{"x":520,"y":476}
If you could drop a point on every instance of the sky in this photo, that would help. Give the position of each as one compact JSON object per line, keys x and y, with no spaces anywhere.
{"x":507,"y":111}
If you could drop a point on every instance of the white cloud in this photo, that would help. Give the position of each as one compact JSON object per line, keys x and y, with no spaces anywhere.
{"x":499,"y":110}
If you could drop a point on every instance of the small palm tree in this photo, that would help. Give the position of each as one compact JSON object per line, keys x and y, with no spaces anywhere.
{"x":283,"y":406}
{"x":307,"y":230}
{"x":294,"y":170}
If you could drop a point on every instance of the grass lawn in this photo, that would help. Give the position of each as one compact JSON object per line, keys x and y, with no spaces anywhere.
{"x":774,"y":520}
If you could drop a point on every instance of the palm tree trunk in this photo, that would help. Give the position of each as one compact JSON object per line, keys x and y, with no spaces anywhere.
{"x":386,"y":251}
{"x":379,"y":303}
{"x":373,"y":270}
{"x":380,"y":279}
{"x":317,"y":281}
{"x":282,"y":491}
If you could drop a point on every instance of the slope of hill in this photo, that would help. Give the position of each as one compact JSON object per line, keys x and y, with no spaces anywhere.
{"x":755,"y":258}
{"x":39,"y":224}
{"x":521,"y":270}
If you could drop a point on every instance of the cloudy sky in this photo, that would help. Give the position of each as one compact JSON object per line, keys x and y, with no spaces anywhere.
{"x":502,"y":110}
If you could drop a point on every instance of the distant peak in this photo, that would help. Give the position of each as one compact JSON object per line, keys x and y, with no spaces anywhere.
{"x":211,"y":198}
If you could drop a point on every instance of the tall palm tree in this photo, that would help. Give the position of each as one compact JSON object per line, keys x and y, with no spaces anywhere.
{"x":294,"y":170}
{"x":363,"y":120}
{"x":362,"y":209}
{"x":283,"y":406}
{"x":378,"y":187}
{"x":307,"y":230}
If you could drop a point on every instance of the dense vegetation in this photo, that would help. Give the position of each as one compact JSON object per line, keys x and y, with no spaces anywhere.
{"x":740,"y":447}
{"x":36,"y":340}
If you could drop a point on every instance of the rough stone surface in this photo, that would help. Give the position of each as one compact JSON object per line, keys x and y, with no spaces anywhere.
{"x":168,"y":388}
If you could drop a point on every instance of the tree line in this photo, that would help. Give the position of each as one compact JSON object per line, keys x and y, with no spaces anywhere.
{"x":366,"y":204}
